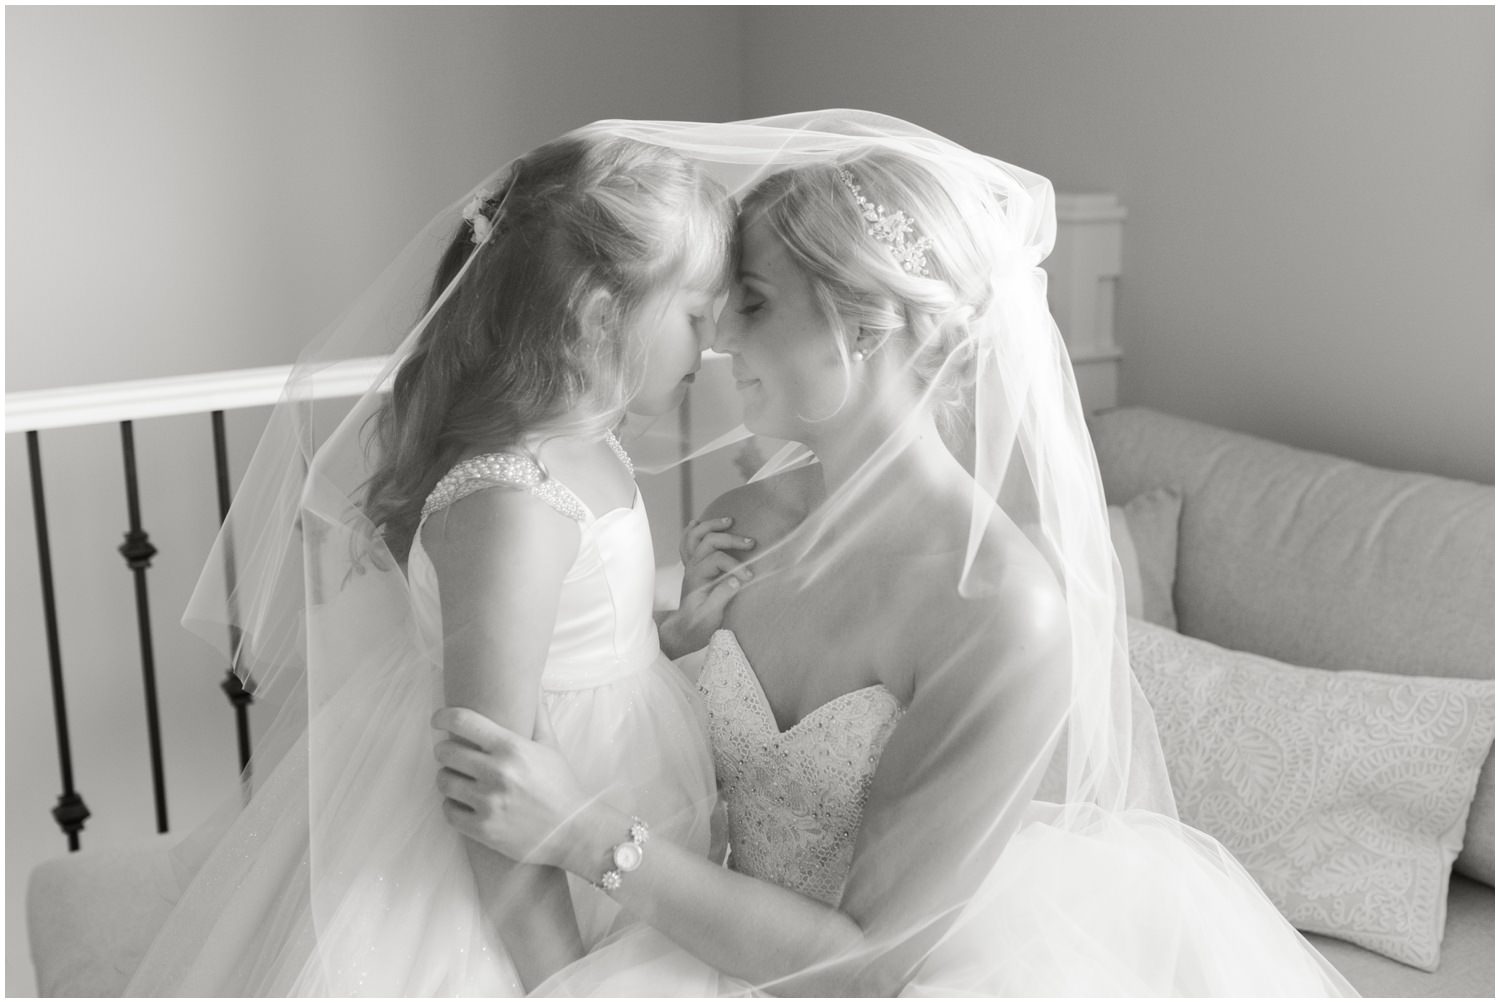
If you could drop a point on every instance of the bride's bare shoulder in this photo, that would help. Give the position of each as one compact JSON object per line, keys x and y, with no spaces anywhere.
{"x":1004,"y":597}
{"x":769,"y":509}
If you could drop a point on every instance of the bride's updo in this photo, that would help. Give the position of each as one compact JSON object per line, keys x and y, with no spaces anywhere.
{"x":918,"y":292}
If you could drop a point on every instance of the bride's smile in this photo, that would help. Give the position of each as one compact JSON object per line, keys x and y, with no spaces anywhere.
{"x":788,"y":370}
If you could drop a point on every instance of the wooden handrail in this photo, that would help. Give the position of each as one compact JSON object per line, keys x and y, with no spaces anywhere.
{"x":129,"y":400}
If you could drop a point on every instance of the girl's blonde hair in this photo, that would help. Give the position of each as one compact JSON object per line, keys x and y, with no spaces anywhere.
{"x":510,"y":352}
{"x":860,"y":285}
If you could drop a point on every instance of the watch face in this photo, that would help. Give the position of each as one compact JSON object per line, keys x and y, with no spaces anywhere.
{"x":628,"y":856}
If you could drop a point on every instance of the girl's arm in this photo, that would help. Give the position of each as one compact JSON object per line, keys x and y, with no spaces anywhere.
{"x":948,"y":793}
{"x":500,"y":557}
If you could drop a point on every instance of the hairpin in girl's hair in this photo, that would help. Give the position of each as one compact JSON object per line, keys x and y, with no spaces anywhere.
{"x":478,"y":221}
{"x":896,"y":230}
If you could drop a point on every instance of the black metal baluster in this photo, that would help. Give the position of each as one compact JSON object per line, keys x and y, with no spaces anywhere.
{"x":70,"y":812}
{"x":239,"y":696}
{"x":138,"y":551}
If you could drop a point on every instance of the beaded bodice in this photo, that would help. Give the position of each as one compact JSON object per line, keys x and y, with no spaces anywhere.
{"x":795,"y":798}
{"x":513,"y":470}
{"x":604,"y":630}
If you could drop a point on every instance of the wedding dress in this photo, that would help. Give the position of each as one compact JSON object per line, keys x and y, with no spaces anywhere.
{"x":1130,"y":904}
{"x":396,"y":911}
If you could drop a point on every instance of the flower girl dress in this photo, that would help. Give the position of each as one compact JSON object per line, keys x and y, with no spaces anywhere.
{"x":386,"y":902}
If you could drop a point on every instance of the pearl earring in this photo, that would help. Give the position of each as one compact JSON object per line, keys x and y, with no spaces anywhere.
{"x":858,"y":356}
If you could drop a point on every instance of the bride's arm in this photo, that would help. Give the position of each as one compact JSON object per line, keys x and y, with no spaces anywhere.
{"x":526,"y":803}
{"x":930,"y":831}
{"x":745,"y":927}
{"x":957,"y":776}
{"x":500,"y":558}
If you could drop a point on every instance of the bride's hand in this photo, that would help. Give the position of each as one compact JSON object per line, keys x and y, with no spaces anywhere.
{"x":514,"y":795}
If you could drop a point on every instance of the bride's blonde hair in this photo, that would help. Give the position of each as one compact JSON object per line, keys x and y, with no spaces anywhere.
{"x":861,"y":285}
{"x":510,"y":353}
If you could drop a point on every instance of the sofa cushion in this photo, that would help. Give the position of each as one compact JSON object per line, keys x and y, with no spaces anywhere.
{"x":1478,"y":857}
{"x":1468,"y":967}
{"x":1316,"y":560}
{"x":93,"y":914}
{"x":1343,"y":793}
{"x":1144,"y":534}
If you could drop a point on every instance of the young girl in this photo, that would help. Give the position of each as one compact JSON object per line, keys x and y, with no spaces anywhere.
{"x":579,"y":290}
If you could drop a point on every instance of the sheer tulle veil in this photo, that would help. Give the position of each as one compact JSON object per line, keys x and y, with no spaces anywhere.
{"x":317,"y":600}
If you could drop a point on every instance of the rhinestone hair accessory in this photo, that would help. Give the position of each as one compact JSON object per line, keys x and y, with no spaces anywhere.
{"x":478,"y":221}
{"x":896,"y":230}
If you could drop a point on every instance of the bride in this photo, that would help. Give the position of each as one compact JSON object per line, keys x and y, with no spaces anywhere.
{"x":940,"y":775}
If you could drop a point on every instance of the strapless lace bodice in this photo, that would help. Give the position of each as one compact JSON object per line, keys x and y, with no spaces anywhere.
{"x":794,"y":798}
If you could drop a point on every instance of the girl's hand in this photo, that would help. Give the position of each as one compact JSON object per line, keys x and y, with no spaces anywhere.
{"x":689,"y":627}
{"x":704,"y":548}
{"x":512,"y":794}
{"x":710,"y":578}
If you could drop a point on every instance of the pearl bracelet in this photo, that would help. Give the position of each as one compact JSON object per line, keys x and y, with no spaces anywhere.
{"x":626,"y":856}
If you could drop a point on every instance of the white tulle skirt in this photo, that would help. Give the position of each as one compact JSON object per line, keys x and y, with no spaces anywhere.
{"x":386,"y":904}
{"x":1082,"y":903}
{"x":1092,"y":903}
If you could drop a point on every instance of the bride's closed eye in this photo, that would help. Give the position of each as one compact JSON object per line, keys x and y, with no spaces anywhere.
{"x":746,"y":300}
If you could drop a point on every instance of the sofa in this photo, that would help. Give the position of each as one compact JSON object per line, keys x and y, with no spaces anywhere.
{"x":1315,"y":563}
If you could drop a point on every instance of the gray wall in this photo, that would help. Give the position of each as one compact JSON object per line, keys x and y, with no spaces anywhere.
{"x":191,"y":190}
{"x":1310,"y":249}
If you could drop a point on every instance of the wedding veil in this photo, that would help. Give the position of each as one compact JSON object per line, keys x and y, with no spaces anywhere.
{"x":315,"y":599}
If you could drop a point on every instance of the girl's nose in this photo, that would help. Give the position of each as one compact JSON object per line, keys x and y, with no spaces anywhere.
{"x":725,"y":331}
{"x":706,"y":329}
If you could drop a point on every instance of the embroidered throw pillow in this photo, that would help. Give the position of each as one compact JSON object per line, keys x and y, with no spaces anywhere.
{"x":1344,"y":793}
{"x":1144,"y":532}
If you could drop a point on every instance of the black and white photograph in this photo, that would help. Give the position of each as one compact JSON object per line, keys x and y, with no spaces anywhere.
{"x":698,"y":501}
